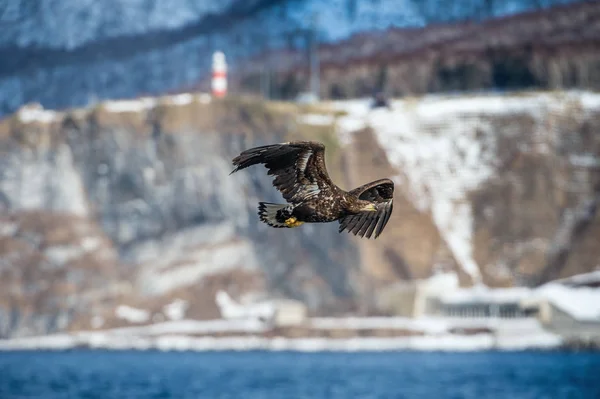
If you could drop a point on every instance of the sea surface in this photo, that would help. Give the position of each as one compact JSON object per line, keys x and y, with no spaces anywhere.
{"x":254,"y":375}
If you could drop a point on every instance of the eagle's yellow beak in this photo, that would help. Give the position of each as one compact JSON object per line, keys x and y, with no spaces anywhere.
{"x":369,"y":208}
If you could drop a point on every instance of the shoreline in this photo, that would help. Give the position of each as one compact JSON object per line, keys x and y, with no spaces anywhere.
{"x":352,"y":334}
{"x":422,"y":343}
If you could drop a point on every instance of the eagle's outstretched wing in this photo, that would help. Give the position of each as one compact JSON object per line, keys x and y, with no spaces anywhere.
{"x":380,"y":193}
{"x":298,"y":167}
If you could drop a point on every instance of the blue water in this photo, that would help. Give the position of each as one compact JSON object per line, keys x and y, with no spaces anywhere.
{"x":254,"y":375}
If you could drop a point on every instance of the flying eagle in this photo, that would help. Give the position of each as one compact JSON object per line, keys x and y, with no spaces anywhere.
{"x":302,"y":178}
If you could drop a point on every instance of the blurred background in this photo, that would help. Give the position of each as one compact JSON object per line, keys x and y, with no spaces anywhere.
{"x":121,"y":228}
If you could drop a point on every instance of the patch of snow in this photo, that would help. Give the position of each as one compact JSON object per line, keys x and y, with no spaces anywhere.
{"x":137,"y":105}
{"x":438,"y":106}
{"x":176,"y":309}
{"x":316,"y":119}
{"x":61,"y":255}
{"x":53,"y":183}
{"x":160,"y":254}
{"x":145,"y":103}
{"x":89,"y":244}
{"x":187,"y":256}
{"x":441,"y":282}
{"x":70,"y":194}
{"x":131,"y":314}
{"x":202,"y":262}
{"x":8,"y":229}
{"x":231,"y":309}
{"x":585,"y":160}
{"x":42,"y":116}
{"x":181,"y":99}
{"x":36,"y":113}
{"x":149,"y":175}
{"x":589,"y":100}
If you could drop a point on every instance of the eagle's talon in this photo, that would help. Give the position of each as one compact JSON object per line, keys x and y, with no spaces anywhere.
{"x":293,"y":222}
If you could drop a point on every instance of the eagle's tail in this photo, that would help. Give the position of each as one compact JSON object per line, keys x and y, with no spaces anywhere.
{"x":277,"y":215}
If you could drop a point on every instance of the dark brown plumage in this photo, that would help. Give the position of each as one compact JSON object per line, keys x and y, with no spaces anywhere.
{"x":302,"y":178}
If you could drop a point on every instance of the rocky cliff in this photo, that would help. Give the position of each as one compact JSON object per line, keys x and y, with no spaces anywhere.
{"x":131,"y":203}
{"x":502,"y":188}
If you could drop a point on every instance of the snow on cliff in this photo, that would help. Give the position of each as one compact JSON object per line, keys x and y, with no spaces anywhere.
{"x":444,"y":147}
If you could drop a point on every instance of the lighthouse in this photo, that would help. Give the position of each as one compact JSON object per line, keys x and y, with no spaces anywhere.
{"x":219,"y":74}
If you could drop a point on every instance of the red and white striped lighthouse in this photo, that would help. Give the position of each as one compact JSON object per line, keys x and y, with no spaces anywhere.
{"x":219,"y":74}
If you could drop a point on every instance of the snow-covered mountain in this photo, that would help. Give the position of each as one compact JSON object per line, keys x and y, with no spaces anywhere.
{"x":65,"y":53}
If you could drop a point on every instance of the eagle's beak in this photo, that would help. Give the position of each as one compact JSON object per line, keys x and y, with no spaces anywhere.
{"x":370,"y":208}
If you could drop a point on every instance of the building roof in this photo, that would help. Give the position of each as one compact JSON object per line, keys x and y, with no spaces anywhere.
{"x":582,"y":303}
{"x":482,"y":294}
{"x":591,"y":279}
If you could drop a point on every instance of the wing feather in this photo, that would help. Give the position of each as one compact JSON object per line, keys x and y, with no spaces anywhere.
{"x":360,"y":222}
{"x":364,"y":224}
{"x":298,"y":166}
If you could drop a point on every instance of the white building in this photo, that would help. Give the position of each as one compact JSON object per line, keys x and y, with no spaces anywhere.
{"x":568,"y":307}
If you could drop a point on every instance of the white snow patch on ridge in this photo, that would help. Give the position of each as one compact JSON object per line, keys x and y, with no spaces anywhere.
{"x":131,"y":314}
{"x":176,"y":309}
{"x":181,"y":99}
{"x":36,"y":113}
{"x":137,"y":105}
{"x":316,"y":119}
